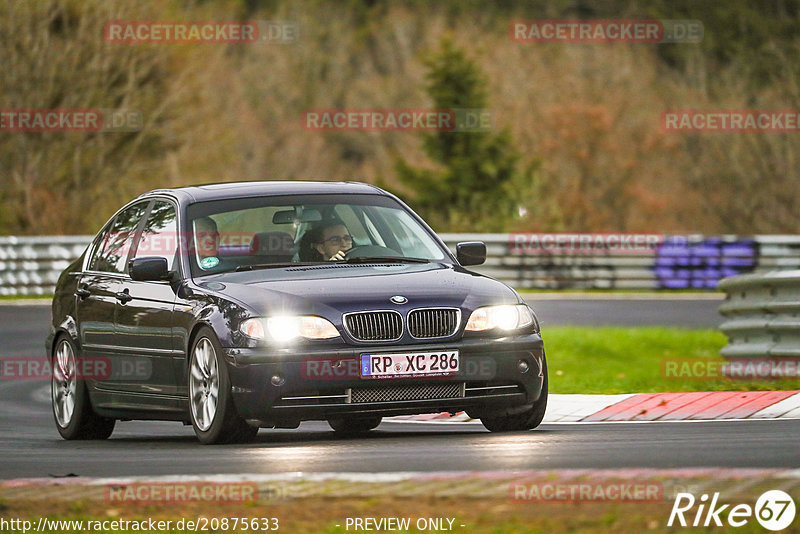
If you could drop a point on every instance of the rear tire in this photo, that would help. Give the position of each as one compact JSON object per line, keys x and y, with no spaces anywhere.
{"x":348,"y":425}
{"x":527,"y":420}
{"x":211,"y":409}
{"x":72,"y":410}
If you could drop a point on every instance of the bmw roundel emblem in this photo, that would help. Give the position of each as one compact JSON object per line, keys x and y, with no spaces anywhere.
{"x":399,"y":299}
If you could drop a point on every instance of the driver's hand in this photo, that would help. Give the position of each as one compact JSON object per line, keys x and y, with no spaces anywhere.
{"x":339,"y":256}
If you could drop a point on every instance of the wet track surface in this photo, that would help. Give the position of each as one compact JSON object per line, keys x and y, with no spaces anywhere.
{"x":31,"y":447}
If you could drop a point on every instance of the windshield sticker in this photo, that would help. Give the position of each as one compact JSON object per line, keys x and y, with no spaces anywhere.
{"x":208,"y":263}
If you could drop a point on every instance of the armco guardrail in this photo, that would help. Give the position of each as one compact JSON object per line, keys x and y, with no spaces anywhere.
{"x":762,"y":315}
{"x":31,"y":265}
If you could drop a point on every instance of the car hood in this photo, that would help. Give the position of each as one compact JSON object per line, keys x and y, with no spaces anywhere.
{"x":341,"y":288}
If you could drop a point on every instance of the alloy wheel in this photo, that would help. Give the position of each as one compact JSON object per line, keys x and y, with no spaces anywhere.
{"x":204,"y":384}
{"x":64,"y":384}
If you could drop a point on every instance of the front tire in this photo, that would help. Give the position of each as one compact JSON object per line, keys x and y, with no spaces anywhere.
{"x":72,"y":410}
{"x":527,"y":420}
{"x":211,"y":409}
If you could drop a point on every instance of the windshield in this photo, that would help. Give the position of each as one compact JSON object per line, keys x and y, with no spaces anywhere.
{"x":270,"y":232}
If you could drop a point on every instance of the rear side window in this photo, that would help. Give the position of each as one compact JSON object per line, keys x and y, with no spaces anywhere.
{"x":112,"y":252}
{"x":160,"y":233}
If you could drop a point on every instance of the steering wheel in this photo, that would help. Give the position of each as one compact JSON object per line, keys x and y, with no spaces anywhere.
{"x":361,"y":251}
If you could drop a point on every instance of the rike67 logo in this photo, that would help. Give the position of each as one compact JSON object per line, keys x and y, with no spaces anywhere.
{"x":774,"y":510}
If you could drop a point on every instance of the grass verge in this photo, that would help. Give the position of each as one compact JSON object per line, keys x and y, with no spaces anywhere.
{"x":606,"y":360}
{"x":25,"y":297}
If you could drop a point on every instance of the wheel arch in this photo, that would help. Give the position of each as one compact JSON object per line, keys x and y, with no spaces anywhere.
{"x":193,"y":335}
{"x":68,"y":328}
{"x":219,"y":315}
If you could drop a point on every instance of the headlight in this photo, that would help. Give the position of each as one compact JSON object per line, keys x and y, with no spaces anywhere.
{"x":506,"y":317}
{"x":252,"y":328}
{"x":286,"y":328}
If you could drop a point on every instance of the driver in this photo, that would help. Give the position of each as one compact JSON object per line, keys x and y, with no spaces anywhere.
{"x":206,"y":246}
{"x":206,"y":237}
{"x":332,"y":240}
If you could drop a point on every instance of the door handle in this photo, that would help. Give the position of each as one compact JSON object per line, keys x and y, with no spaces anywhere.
{"x":124,"y":296}
{"x":83,"y":292}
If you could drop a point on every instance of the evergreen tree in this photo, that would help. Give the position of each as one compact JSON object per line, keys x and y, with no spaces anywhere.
{"x":476,"y":185}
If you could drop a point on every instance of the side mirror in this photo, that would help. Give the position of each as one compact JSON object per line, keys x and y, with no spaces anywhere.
{"x":148,"y":269}
{"x":471,"y":253}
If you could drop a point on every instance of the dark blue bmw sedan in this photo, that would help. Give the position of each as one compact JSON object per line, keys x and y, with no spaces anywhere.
{"x":237,"y":306}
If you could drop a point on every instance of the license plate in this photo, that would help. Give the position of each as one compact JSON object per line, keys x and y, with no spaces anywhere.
{"x":409,"y":364}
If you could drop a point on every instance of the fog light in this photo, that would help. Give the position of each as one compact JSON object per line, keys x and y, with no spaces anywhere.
{"x":523,"y":366}
{"x":277,"y":380}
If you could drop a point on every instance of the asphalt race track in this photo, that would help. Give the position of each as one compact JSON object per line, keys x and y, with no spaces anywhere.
{"x":30,"y":446}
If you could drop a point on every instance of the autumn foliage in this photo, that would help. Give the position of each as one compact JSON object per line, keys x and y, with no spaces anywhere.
{"x":579,"y":124}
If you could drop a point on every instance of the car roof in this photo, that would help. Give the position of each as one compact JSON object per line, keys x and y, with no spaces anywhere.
{"x":225,"y":190}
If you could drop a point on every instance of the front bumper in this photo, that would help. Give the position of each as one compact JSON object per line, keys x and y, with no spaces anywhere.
{"x":284,"y":387}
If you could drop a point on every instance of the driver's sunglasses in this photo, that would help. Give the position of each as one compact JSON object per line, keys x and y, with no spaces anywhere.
{"x":339,"y":239}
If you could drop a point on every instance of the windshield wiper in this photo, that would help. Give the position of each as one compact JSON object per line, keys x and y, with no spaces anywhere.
{"x":279,"y":265}
{"x":385,"y":259}
{"x":365,"y":259}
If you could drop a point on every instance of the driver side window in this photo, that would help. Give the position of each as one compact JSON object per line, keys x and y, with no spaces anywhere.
{"x":160,"y":234}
